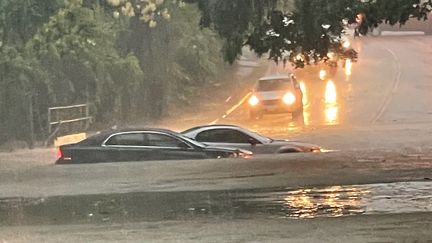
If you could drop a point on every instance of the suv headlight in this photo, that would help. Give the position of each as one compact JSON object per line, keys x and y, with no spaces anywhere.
{"x":253,"y":100}
{"x":289,"y":98}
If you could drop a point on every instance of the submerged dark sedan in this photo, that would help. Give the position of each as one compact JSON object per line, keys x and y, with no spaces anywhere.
{"x":238,"y":137}
{"x":141,"y":145}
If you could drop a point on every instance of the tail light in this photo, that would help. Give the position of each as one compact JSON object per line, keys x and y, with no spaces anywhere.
{"x":59,"y":153}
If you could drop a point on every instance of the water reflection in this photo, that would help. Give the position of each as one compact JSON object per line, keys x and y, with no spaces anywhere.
{"x":306,"y":104}
{"x":331,"y":105}
{"x":330,"y":109}
{"x":348,"y":69}
{"x":330,"y":93}
{"x":304,"y":90}
{"x":333,"y":201}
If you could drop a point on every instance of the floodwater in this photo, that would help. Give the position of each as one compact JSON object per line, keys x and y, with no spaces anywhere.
{"x":333,"y":201}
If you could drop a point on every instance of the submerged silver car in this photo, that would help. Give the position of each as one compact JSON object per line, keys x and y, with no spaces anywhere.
{"x":242,"y":138}
{"x":276,"y":94}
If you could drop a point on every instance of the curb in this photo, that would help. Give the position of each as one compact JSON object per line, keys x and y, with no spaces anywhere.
{"x":402,"y":33}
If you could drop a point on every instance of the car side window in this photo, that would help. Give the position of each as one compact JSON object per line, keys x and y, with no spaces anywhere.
{"x":162,"y":140}
{"x":222,"y":136}
{"x":207,"y":136}
{"x":127,"y":139}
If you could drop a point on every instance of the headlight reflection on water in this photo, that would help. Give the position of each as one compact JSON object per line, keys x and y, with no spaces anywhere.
{"x":333,"y":201}
{"x":331,"y":104}
{"x":330,"y":93}
{"x":348,"y":68}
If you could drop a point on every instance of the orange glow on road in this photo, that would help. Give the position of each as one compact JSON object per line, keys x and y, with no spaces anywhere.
{"x":304,"y":92}
{"x":305,"y":203}
{"x":306,"y":117}
{"x":348,"y":67}
{"x":306,"y":106}
{"x":330,"y":93}
{"x":331,"y":105}
{"x":332,"y":114}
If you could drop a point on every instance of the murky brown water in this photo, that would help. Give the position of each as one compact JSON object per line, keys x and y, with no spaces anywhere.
{"x":334,"y":201}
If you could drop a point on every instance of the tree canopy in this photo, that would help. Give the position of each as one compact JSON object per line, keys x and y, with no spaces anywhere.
{"x":296,"y":31}
{"x":300,"y":31}
{"x":66,"y":52}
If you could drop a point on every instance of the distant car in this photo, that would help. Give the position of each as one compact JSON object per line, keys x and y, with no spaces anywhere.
{"x":238,"y":137}
{"x":276,"y":94}
{"x":141,"y":145}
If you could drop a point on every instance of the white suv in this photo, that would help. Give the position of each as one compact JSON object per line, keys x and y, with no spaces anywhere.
{"x":276,"y":94}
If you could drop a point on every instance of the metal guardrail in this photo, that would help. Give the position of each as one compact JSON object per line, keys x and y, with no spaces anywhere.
{"x":71,"y":121}
{"x":55,"y":119}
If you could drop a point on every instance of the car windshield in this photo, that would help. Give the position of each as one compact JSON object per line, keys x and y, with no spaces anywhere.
{"x":261,"y":138}
{"x":273,"y":85}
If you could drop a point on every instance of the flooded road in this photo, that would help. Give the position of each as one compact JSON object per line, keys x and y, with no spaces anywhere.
{"x":386,"y":86}
{"x":334,"y":201}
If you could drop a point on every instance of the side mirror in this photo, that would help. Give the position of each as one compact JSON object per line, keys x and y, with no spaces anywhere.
{"x":253,"y":141}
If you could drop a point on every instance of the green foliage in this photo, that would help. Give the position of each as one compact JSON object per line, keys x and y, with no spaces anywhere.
{"x":59,"y":52}
{"x":177,"y":57}
{"x":20,"y":78}
{"x":77,"y":48}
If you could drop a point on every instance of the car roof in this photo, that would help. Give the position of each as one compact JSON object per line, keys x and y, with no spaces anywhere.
{"x":211,"y":126}
{"x":100,"y":137}
{"x":194,"y":131}
{"x":276,"y":76}
{"x":150,"y":129}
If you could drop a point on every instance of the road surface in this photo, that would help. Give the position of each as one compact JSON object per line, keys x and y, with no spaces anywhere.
{"x":377,"y":121}
{"x":385,"y":102}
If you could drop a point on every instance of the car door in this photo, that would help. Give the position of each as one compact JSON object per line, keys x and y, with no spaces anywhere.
{"x":172,"y":148}
{"x":229,"y":138}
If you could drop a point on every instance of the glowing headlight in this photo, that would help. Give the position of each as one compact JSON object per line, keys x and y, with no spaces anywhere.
{"x":322,"y":74}
{"x":316,"y":150}
{"x":289,"y":98}
{"x":253,"y":101}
